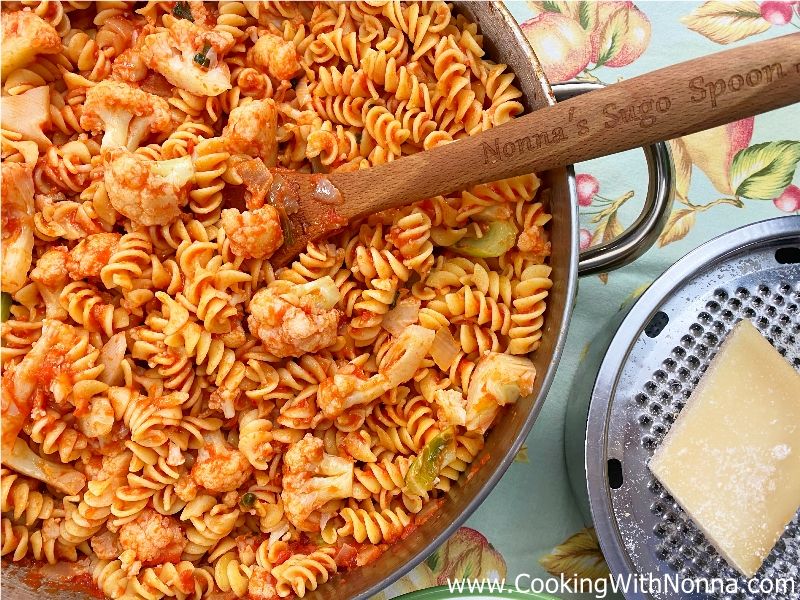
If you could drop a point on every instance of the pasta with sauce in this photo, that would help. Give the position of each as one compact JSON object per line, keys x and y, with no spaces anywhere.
{"x":180,"y":417}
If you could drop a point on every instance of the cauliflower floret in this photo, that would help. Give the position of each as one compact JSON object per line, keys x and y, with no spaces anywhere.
{"x":345,"y":390}
{"x":311,"y":478}
{"x":185,"y":488}
{"x":451,"y":406}
{"x":224,"y":399}
{"x":498,"y":379}
{"x":51,"y":274}
{"x":91,"y":254}
{"x":534,"y":239}
{"x":253,"y":233}
{"x":148,"y":192}
{"x":34,"y":371}
{"x":262,"y":585}
{"x":17,"y":225}
{"x":172,"y":53}
{"x":275,"y":55}
{"x":292,"y":320}
{"x":219,"y":466}
{"x":99,"y":420}
{"x":155,"y":538}
{"x":25,"y":35}
{"x":252,"y":129}
{"x":51,"y":268}
{"x":126,"y":114}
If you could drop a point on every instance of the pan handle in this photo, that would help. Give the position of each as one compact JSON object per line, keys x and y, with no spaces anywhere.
{"x":644,"y":231}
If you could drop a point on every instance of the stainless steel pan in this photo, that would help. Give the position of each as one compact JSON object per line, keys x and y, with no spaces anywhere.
{"x":504,"y":43}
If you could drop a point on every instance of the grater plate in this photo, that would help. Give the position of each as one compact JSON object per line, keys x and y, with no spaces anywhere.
{"x":654,"y":362}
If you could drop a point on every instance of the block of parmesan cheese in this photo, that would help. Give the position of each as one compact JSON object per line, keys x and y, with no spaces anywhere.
{"x":732,"y":457}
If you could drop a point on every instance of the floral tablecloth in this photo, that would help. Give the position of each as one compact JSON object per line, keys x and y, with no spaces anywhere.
{"x":726,"y":177}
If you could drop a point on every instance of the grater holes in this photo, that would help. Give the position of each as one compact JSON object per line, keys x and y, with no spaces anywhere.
{"x":659,"y":430}
{"x":654,"y":486}
{"x":774,"y":308}
{"x":656,"y":324}
{"x":787,"y":256}
{"x":615,"y":479}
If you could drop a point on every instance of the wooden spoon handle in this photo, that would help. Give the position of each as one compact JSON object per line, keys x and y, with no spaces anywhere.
{"x":667,"y":103}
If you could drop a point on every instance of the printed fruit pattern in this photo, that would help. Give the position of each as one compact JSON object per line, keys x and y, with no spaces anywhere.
{"x":467,"y":554}
{"x":568,"y":36}
{"x":789,"y":200}
{"x":579,"y":556}
{"x":573,"y":38}
{"x":735,"y":168}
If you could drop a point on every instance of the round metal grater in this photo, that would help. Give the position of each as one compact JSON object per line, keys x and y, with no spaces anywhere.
{"x":651,"y":367}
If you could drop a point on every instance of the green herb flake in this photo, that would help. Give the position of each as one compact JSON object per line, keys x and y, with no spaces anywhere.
{"x":201,"y":59}
{"x":422,"y":474}
{"x":181,"y":10}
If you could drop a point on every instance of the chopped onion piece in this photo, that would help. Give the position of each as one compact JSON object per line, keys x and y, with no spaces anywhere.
{"x":325,"y":192}
{"x":406,"y":355}
{"x":401,"y":316}
{"x":111,"y":358}
{"x":444,"y":349}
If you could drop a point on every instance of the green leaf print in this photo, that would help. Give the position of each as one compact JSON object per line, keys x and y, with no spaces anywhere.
{"x":763,"y":171}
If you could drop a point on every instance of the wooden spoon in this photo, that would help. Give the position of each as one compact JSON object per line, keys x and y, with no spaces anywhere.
{"x":667,"y":103}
